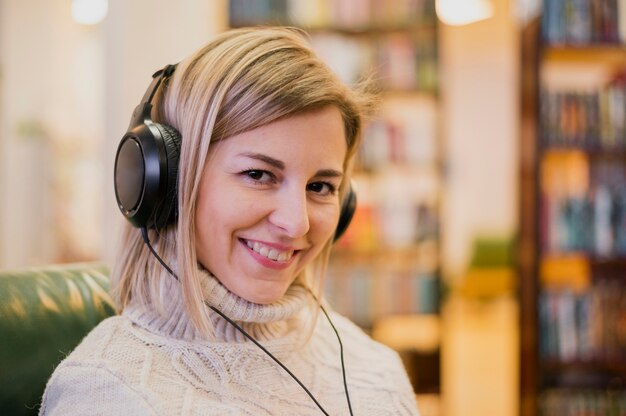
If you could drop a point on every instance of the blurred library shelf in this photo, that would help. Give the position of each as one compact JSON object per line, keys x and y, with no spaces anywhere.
{"x":572,"y":247}
{"x":384,"y":274}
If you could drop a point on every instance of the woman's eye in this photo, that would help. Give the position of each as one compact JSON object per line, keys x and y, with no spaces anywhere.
{"x":255,"y":174}
{"x":322,"y":188}
{"x":258,"y":175}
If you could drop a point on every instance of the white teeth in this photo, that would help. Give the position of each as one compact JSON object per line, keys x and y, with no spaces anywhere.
{"x":270,"y":253}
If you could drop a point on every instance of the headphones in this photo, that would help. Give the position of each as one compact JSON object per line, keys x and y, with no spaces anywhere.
{"x":146,"y":168}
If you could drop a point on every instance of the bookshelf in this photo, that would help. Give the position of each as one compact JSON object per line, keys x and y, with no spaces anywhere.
{"x":572,"y":245}
{"x":384,"y":273}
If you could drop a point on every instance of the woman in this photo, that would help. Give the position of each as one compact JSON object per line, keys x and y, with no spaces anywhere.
{"x":267,"y":137}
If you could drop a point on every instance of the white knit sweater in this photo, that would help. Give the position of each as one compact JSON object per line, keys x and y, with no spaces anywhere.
{"x":146,"y":363}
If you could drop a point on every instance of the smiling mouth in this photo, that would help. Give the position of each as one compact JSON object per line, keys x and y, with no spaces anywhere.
{"x":269,"y":252}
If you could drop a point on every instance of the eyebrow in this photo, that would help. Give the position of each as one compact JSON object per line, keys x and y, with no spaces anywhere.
{"x":279,"y":164}
{"x":329,"y":173}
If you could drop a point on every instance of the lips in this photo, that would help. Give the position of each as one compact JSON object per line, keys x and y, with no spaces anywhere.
{"x":270,"y":253}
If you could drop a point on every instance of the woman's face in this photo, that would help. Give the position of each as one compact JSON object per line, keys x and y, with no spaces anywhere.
{"x":268,"y":202}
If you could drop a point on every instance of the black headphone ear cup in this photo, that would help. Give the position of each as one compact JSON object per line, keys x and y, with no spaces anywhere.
{"x":168,"y":210}
{"x":348,"y":207}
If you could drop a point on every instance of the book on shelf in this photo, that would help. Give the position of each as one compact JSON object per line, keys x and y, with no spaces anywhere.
{"x":365,"y":294}
{"x":347,"y":14}
{"x":340,"y":14}
{"x":399,"y":61}
{"x":403,"y":59}
{"x":586,"y":326}
{"x":396,"y":209}
{"x":584,"y":22}
{"x":576,"y":402}
{"x":594,"y":120}
{"x":403,"y":134}
{"x":583,"y":205}
{"x":250,"y":13}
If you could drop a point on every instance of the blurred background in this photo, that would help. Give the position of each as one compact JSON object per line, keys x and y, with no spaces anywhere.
{"x":489,"y":244}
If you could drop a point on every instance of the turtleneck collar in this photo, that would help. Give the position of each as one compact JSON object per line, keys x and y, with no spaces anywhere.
{"x":262,"y":322}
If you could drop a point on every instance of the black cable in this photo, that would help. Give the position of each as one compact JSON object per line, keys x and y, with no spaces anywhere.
{"x":146,"y":239}
{"x":343,"y":367}
{"x":270,"y":355}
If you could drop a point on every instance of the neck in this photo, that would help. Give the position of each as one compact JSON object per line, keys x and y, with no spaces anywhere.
{"x":262,"y":322}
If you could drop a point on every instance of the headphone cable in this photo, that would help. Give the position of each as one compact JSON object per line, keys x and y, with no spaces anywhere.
{"x":146,"y":239}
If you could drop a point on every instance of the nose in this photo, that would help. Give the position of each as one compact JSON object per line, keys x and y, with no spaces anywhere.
{"x":291,"y":213}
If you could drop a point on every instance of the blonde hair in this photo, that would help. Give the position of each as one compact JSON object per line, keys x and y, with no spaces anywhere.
{"x":243,"y":79}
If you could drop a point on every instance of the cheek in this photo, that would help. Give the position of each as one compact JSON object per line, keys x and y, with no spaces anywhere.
{"x":211,"y":218}
{"x":324,"y":222}
{"x":204,"y":232}
{"x":219,"y":219}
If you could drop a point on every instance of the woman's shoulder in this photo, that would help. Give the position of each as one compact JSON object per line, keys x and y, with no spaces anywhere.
{"x":89,"y":372}
{"x":115,"y":345}
{"x":109,"y":331}
{"x":100,"y":348}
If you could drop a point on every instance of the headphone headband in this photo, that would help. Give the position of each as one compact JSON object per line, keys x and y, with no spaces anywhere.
{"x":144,"y":109}
{"x":158,"y":77}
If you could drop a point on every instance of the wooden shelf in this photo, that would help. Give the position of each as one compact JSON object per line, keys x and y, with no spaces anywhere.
{"x":366,"y":30}
{"x":591,"y":258}
{"x":418,"y":257}
{"x":590,"y":151}
{"x":563,"y":69}
{"x":607,"y":366}
{"x":581,"y":377}
{"x":372,"y":30}
{"x":601,"y":53}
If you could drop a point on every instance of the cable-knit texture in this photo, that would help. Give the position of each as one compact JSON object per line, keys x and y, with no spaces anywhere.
{"x":148,"y":363}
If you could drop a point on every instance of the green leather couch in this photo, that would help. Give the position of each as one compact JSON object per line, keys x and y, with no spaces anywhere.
{"x":44,"y":313}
